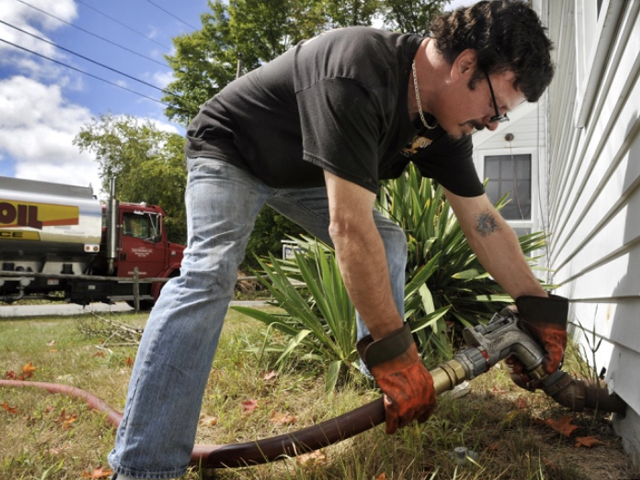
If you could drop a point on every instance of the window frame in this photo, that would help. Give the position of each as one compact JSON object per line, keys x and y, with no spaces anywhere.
{"x":534,"y":222}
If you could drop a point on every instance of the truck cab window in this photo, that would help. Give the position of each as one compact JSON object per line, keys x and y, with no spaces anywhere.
{"x":137,"y":226}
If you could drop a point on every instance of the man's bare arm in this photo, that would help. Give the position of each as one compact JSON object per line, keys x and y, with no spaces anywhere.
{"x":361,"y":255}
{"x":496,"y":244}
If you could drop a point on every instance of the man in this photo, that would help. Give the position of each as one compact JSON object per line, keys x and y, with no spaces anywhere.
{"x":311,"y":134}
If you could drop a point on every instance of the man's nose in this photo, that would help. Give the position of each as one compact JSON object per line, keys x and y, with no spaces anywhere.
{"x":491,"y":125}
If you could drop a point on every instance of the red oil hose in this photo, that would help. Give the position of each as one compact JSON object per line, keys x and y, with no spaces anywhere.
{"x":566,"y":390}
{"x":112,"y":415}
{"x":249,"y":453}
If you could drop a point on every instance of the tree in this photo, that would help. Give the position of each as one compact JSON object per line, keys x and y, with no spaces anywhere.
{"x":269,"y":230}
{"x":341,"y":13}
{"x":254,"y":31}
{"x":412,"y":16}
{"x":147,"y":162}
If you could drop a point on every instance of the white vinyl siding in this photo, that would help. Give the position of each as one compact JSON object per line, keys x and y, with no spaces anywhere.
{"x":594,"y":180}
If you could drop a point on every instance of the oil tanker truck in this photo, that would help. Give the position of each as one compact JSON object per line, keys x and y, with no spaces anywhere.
{"x":59,"y":242}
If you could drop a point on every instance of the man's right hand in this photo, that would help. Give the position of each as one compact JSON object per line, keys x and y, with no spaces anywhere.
{"x":398,"y":371}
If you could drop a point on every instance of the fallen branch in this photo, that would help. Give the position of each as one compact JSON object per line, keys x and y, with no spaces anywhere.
{"x":110,"y":329}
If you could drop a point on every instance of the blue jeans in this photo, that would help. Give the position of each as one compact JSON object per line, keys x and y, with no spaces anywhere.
{"x":157,"y":432}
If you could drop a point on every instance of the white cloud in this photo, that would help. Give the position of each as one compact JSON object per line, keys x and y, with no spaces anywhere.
{"x":37,"y":121}
{"x":37,"y":128}
{"x":162,"y":79}
{"x":153,"y":32}
{"x":34,"y":21}
{"x":163,"y":126}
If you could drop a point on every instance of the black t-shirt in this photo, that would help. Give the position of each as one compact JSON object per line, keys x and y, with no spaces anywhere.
{"x":337,"y":102}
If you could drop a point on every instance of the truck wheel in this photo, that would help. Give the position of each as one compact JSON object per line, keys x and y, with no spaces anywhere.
{"x":145,"y":305}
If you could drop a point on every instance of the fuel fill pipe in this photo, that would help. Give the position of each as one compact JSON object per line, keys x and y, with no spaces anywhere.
{"x":487,"y":345}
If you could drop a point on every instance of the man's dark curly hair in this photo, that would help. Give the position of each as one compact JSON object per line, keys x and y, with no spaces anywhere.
{"x":507,"y":36}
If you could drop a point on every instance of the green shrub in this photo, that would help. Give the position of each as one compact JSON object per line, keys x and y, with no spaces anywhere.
{"x":446,"y":286}
{"x":443,"y":273}
{"x":319,"y":318}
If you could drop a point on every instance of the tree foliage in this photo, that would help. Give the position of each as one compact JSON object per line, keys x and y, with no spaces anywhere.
{"x":148,"y":164}
{"x":252,"y":31}
{"x":412,"y":16}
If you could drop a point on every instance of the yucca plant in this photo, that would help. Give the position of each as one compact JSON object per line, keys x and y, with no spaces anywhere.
{"x":319,"y":318}
{"x":443,"y":273}
{"x":445,"y":284}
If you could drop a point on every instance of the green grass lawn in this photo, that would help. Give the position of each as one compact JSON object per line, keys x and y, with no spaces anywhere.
{"x":46,"y":436}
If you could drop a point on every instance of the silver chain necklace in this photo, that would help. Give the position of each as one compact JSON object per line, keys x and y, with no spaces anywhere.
{"x":415,"y":85}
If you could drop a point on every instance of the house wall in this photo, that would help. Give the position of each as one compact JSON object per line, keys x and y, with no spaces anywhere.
{"x":594,"y":194}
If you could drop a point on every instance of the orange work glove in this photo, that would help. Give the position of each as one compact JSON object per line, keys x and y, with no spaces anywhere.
{"x":398,"y":371}
{"x":545,"y":318}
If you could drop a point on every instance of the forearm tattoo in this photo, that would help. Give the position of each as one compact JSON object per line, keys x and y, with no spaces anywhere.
{"x":486,"y":224}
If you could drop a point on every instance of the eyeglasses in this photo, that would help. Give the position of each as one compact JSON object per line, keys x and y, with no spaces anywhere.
{"x":497,"y":117}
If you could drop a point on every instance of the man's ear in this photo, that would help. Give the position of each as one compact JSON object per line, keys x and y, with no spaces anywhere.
{"x":464,"y":64}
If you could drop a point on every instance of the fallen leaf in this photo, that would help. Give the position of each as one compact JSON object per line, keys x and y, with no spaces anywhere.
{"x":129,"y":362}
{"x":51,"y":343}
{"x":209,"y":421}
{"x":282,"y":419}
{"x":269,"y":376}
{"x":29,"y":420}
{"x":314,"y":458}
{"x":494,"y":447}
{"x":382,"y":476}
{"x":563,"y":425}
{"x":249,"y":406}
{"x":9,"y":409}
{"x":9,"y":375}
{"x":98,"y":354}
{"x":588,"y":442}
{"x":98,"y":473}
{"x":66,"y":420}
{"x":56,"y":451}
{"x":27,"y":370}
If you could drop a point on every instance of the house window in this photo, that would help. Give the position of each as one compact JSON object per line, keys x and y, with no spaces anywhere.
{"x":510,"y":175}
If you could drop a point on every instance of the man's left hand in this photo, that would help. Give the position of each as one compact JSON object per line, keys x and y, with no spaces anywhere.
{"x":545,"y":318}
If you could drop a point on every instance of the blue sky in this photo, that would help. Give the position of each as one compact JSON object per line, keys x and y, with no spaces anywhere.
{"x":43,"y":104}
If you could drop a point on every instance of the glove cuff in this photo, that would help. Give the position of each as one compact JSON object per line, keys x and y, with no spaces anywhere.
{"x":552,"y":309}
{"x":387,"y":348}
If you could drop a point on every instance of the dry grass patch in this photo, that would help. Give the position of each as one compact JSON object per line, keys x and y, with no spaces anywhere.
{"x":56,"y":437}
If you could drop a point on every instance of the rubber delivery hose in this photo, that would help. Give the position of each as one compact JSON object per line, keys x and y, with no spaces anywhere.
{"x":563,"y":388}
{"x":577,"y":395}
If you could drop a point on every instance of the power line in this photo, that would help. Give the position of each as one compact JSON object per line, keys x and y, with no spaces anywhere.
{"x":85,"y":58}
{"x":172,"y":15}
{"x":84,"y":72}
{"x":94,"y":34}
{"x":122,"y":24}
